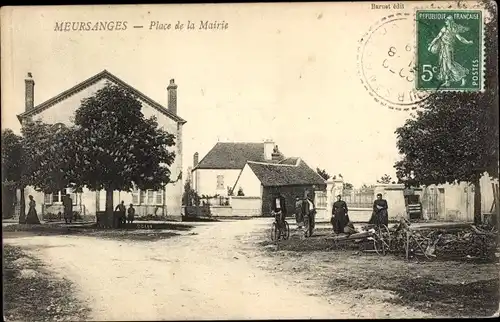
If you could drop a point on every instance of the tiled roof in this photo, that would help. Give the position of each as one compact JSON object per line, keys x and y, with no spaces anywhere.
{"x":231,"y":155}
{"x":91,"y":81}
{"x":272,"y":175}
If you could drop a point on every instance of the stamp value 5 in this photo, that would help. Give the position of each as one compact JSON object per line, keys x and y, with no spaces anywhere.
{"x":449,"y":50}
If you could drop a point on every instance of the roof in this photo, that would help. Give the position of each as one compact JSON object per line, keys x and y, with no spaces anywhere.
{"x":272,"y":174}
{"x":91,"y":81}
{"x":232,"y":155}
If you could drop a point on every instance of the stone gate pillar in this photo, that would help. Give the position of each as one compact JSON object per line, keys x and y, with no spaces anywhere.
{"x":333,"y":188}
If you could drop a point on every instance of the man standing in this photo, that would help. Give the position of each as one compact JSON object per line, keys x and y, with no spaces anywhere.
{"x":298,"y":212}
{"x":131,"y":214}
{"x":339,"y":215}
{"x":309,"y":213}
{"x":379,"y":215}
{"x":121,"y":212}
{"x":278,"y":207}
{"x":68,"y":209}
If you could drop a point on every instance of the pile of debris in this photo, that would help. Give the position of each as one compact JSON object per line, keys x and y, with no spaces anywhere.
{"x":471,"y":242}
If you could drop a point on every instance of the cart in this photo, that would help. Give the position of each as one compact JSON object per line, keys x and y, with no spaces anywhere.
{"x":379,"y":235}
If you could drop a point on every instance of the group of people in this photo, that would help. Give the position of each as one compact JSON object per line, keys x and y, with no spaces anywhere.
{"x":121,"y":209}
{"x":340,"y":215}
{"x":305,"y":212}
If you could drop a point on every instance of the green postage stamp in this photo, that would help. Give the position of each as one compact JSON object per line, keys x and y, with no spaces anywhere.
{"x":449,"y":50}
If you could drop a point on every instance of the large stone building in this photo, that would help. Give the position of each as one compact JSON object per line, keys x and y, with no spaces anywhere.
{"x":61,"y":109}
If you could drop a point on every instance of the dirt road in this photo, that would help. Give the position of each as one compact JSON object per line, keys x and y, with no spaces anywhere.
{"x":210,"y":275}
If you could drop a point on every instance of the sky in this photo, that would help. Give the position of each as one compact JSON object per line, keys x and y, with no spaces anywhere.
{"x":286,"y":72}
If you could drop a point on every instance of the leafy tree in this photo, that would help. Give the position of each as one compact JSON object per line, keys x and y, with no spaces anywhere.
{"x":190,"y":197}
{"x":385,"y":179}
{"x":12,"y":172}
{"x":347,"y":186}
{"x":50,"y":156}
{"x":323,"y":173}
{"x":119,"y":149}
{"x":454,"y":137}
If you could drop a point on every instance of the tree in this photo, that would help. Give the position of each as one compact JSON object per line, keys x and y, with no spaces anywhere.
{"x":323,"y":174}
{"x":118,"y":148}
{"x":385,"y":179}
{"x":50,"y":154}
{"x":190,"y":197}
{"x":454,"y":137}
{"x":347,"y":186}
{"x":12,"y":172}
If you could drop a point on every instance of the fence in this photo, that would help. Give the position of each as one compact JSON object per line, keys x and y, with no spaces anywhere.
{"x":359,"y":198}
{"x":321,"y":199}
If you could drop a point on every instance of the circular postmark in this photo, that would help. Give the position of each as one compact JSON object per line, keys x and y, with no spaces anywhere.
{"x":386,"y":63}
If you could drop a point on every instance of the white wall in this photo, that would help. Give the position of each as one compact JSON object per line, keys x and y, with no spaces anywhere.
{"x":246,"y":206}
{"x":249,"y":182}
{"x":64,"y":111}
{"x":206,"y":180}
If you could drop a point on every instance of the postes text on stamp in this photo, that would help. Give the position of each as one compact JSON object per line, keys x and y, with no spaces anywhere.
{"x":449,"y":50}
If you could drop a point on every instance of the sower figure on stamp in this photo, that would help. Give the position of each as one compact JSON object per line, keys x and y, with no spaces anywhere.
{"x":68,"y":209}
{"x":379,"y":215}
{"x":309,"y":213}
{"x":339,"y":215}
{"x":444,"y":45}
{"x":299,"y":218}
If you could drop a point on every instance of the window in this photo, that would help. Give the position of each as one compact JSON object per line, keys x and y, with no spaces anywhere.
{"x":220,"y":182}
{"x":147,"y":197}
{"x":57,"y":198}
{"x":159,"y":197}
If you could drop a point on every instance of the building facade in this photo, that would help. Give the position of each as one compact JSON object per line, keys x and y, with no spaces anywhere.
{"x":61,"y":109}
{"x":217,"y":172}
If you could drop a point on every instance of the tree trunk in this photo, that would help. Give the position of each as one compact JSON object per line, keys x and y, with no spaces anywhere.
{"x":8,"y":202}
{"x":22,"y":207}
{"x":477,"y":201}
{"x":109,"y":215}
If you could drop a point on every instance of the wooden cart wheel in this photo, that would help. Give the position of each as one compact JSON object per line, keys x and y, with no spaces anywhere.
{"x":387,"y":239}
{"x":286,"y":234}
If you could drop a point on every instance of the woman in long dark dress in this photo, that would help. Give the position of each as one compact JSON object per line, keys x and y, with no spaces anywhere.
{"x":32,"y":217}
{"x":339,"y":215}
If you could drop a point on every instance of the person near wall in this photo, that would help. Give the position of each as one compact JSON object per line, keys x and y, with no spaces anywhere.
{"x":32,"y":217}
{"x":122,"y":219}
{"x":131,"y":214}
{"x":339,"y":215}
{"x":298,"y":212}
{"x":68,"y":208}
{"x":278,"y":207}
{"x":309,"y":213}
{"x":380,"y":215}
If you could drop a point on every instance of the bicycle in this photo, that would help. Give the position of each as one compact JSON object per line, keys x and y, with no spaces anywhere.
{"x":276,"y":234}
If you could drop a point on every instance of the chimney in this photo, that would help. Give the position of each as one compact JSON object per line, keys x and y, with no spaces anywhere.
{"x":195,"y":159}
{"x":276,"y":155}
{"x":172,"y":97}
{"x":29,"y":94}
{"x":268,"y":149}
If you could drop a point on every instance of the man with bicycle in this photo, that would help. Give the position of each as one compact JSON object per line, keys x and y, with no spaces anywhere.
{"x":278,"y":208}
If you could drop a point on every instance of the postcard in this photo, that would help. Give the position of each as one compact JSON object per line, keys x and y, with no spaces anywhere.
{"x":250,"y":161}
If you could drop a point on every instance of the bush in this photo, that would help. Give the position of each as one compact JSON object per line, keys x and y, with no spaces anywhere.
{"x":151,"y":217}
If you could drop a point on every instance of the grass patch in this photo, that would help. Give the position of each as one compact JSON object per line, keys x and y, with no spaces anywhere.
{"x":41,"y":297}
{"x":442,"y":287}
{"x":168,"y":231}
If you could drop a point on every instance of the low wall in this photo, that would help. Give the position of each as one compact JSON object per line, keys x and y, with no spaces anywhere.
{"x":221,"y":211}
{"x":246,"y":206}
